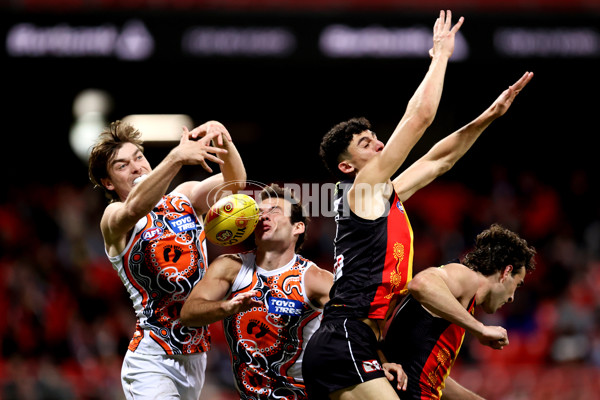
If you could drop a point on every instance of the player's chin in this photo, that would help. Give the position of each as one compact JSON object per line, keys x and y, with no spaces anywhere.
{"x":499,"y":306}
{"x":259,"y":233}
{"x":489,"y":310}
{"x":261,"y":237}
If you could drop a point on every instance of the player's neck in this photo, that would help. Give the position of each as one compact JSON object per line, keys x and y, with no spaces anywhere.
{"x":270,"y":259}
{"x":483,"y":289}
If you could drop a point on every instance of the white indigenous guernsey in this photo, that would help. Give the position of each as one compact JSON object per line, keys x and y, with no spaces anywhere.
{"x":266,"y":343}
{"x":163,"y":260}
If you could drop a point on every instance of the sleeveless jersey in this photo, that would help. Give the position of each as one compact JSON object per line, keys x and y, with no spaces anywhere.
{"x":373,"y":260}
{"x":266,"y":343}
{"x":426,"y":346}
{"x":163,"y":260}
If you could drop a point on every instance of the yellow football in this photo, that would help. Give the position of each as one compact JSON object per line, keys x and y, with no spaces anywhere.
{"x":231,"y":220}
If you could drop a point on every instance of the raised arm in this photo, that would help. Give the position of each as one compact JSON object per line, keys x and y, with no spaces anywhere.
{"x":120,"y":217}
{"x":444,"y":154}
{"x":206,"y":304}
{"x":421,"y":109}
{"x":232,"y":178}
{"x":446,"y":292}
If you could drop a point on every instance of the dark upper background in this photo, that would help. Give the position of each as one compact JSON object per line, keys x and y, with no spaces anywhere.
{"x":283,"y":104}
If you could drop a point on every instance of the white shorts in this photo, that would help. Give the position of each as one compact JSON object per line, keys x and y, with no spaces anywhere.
{"x":163,"y":377}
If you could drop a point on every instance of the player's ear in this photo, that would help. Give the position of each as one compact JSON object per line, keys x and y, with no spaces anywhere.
{"x":506,"y":273}
{"x":299,"y":228}
{"x":345,"y":167}
{"x":107,"y":183}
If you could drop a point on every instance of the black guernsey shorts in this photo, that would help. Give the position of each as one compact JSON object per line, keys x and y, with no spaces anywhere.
{"x":340,"y":354}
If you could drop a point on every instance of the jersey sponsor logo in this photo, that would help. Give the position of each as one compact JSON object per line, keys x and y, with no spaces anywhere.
{"x":284,"y":306}
{"x":182,"y":224}
{"x":371,"y":366}
{"x":152,"y":233}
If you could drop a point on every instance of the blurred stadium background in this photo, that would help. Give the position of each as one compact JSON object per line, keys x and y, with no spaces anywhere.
{"x":279,"y":74}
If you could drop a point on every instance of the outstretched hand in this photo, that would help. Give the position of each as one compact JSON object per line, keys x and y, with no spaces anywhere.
{"x":443,"y":35}
{"x":215,"y":129}
{"x":506,"y":98}
{"x":194,"y":151}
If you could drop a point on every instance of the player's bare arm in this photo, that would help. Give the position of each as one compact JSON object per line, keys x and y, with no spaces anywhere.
{"x":230,"y":180}
{"x":455,"y":391}
{"x":444,"y":154}
{"x":419,"y":115}
{"x":206,"y":303}
{"x":318,"y":282}
{"x":421,"y":109}
{"x":446,"y":291}
{"x":120,"y":217}
{"x":232,"y":169}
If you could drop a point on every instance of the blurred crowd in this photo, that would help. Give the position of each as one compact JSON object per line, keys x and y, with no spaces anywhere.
{"x":67,"y":320}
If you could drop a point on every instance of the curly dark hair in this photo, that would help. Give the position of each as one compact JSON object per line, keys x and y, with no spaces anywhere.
{"x":334,"y":144}
{"x":497,"y":247}
{"x":106,"y":147}
{"x":298,"y":214}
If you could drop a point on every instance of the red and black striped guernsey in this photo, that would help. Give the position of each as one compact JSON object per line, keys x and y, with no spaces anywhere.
{"x":373,"y":260}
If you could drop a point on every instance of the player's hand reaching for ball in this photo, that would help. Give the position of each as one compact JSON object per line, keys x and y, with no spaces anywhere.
{"x":215,"y":129}
{"x":195,"y":148}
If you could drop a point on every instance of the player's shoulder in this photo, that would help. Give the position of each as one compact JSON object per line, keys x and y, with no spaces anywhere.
{"x":183,"y":189}
{"x":109,"y":214}
{"x":454,"y":268}
{"x":314,"y":270}
{"x":112,"y":206}
{"x":460,"y":273}
{"x":229,"y":259}
{"x":225,"y":266}
{"x":305,"y":261}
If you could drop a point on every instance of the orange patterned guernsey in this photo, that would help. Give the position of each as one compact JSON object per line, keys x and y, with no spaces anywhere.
{"x":164,"y":258}
{"x":266,"y":342}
